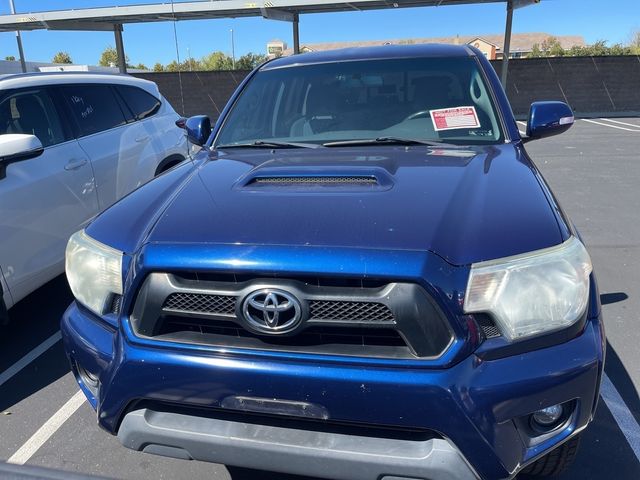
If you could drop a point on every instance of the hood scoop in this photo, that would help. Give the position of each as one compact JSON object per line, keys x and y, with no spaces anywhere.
{"x":314,"y":179}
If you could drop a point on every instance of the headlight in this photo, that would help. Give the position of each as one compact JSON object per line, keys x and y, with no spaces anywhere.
{"x":532,"y":293}
{"x":94,"y":271}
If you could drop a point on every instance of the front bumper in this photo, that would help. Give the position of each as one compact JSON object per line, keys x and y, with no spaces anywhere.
{"x":303,"y":452}
{"x":473,"y":407}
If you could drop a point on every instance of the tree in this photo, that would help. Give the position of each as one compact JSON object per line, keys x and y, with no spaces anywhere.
{"x":634,"y":44}
{"x":10,"y":58}
{"x":217,"y":61}
{"x":619,"y":49}
{"x":598,"y":49}
{"x":158,"y":67}
{"x":186,"y":66}
{"x":141,"y":66}
{"x":550,"y":47}
{"x":576,"y":51}
{"x":536,"y":52}
{"x":62,"y":57}
{"x":250,"y":61}
{"x":109,"y":57}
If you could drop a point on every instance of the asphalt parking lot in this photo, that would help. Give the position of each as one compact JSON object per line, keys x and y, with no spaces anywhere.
{"x":594,"y":169}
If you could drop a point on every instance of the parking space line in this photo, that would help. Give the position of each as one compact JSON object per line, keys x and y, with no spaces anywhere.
{"x":621,"y":123}
{"x":623,"y":417}
{"x":610,"y":126}
{"x":44,"y":433}
{"x":30,"y":357}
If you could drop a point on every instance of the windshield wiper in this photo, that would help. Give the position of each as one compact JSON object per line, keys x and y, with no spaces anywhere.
{"x":270,"y":144}
{"x":389,"y":140}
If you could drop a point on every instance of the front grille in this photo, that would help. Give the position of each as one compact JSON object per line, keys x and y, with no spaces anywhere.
{"x":201,"y":303}
{"x":314,"y":336}
{"x":384,"y":320}
{"x":350,"y":311}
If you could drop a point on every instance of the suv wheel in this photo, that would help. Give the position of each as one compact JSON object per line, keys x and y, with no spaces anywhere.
{"x":554,"y":462}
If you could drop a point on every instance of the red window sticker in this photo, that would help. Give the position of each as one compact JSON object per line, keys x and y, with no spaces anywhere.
{"x":451,"y":118}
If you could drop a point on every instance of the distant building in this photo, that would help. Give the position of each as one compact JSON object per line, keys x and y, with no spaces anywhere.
{"x":490,"y":45}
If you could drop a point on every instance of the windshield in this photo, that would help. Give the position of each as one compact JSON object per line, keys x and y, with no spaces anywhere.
{"x":419,"y":99}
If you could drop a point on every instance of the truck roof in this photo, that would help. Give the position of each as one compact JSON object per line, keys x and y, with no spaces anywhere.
{"x":371,"y":53}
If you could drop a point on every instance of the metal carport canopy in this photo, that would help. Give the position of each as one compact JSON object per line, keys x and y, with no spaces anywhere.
{"x":112,"y":18}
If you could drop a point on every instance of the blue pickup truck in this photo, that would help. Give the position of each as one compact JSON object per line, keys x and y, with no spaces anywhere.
{"x":361,"y":276}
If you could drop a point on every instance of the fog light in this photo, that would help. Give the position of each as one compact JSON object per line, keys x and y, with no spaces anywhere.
{"x":547,"y":417}
{"x":89,"y":379}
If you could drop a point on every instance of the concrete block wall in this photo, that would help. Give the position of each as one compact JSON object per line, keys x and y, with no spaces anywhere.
{"x":203,"y":93}
{"x":592,"y":86}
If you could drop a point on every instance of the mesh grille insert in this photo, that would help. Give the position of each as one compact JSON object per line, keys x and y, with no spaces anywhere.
{"x":350,"y":311}
{"x":488,"y":326}
{"x":116,"y":304}
{"x":201,"y":303}
{"x":319,"y":180}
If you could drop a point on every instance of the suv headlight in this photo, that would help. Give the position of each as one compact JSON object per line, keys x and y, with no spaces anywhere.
{"x":94,"y":271}
{"x":532,"y":293}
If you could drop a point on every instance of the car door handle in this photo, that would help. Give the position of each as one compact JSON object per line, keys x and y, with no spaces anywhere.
{"x":142,"y":139}
{"x":75,"y":164}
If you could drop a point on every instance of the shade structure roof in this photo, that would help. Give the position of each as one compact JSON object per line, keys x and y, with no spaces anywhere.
{"x":104,"y":18}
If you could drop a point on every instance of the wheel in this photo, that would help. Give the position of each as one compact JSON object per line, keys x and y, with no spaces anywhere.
{"x":554,"y":462}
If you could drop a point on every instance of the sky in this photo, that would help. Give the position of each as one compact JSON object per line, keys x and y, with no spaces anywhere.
{"x":611,"y":20}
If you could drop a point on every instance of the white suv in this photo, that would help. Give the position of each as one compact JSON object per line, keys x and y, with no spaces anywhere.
{"x":71,"y":144}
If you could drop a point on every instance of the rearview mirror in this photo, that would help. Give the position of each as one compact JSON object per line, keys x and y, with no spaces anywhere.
{"x":548,"y":118}
{"x":15,"y":147}
{"x":198,"y":129}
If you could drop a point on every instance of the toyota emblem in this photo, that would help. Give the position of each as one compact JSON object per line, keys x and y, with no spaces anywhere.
{"x":272,"y":311}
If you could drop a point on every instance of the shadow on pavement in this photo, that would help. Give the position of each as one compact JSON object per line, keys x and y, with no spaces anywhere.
{"x":237,"y":473}
{"x":613,"y":297}
{"x":618,"y":375}
{"x":32,"y":321}
{"x":604,"y":450}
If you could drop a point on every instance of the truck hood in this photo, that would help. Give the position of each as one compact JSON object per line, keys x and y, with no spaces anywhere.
{"x":464,"y":204}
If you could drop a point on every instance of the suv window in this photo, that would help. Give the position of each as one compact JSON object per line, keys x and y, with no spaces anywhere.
{"x":31,"y":112}
{"x":141,"y":103}
{"x":94,"y":107}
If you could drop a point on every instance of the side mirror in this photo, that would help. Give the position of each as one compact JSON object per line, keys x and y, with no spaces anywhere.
{"x":548,"y":118}
{"x":15,"y":147}
{"x":198,"y":129}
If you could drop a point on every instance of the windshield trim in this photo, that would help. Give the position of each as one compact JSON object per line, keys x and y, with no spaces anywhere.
{"x":497,"y":105}
{"x":231,"y":105}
